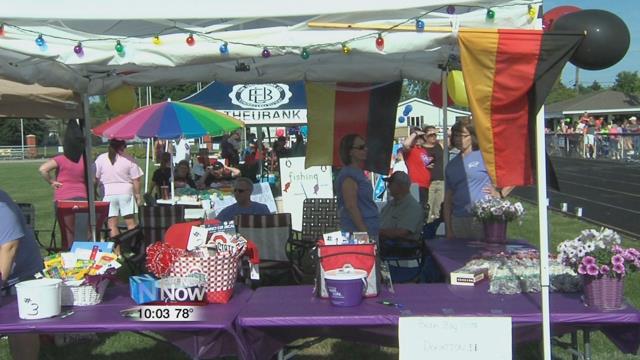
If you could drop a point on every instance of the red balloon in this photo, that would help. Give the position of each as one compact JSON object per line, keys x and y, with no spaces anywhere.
{"x":552,"y":15}
{"x":279,"y":132}
{"x":435,"y":95}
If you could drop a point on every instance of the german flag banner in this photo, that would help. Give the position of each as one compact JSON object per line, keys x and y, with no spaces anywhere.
{"x":508,"y":74}
{"x":337,"y":109}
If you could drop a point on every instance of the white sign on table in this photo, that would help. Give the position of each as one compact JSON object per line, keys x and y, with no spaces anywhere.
{"x":298,"y":183}
{"x":452,"y":338}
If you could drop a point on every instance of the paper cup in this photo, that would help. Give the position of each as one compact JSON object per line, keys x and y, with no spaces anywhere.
{"x":39,"y":299}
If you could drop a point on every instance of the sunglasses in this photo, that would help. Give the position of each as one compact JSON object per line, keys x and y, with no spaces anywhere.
{"x":360,"y":147}
{"x":239,"y":191}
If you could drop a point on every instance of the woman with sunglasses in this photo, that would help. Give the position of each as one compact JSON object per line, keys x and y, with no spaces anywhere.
{"x":356,"y":209}
{"x":467,"y":181}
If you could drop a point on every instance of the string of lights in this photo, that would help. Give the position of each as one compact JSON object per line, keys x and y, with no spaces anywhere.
{"x":265,"y":50}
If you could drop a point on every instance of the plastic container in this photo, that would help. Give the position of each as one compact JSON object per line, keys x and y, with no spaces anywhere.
{"x":346,"y":286}
{"x":39,"y":299}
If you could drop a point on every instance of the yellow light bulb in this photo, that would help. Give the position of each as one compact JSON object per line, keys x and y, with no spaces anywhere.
{"x":156,"y":40}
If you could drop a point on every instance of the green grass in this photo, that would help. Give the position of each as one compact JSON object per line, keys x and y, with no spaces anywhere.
{"x":22,"y":181}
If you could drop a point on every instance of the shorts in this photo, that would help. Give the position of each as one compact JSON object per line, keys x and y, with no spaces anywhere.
{"x":589,"y":139}
{"x":121,"y":205}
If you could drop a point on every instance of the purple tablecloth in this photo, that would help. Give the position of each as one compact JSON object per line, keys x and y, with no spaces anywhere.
{"x":213,"y":336}
{"x":275,"y":316}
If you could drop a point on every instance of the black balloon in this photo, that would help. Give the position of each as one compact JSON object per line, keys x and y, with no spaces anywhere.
{"x":606,"y":40}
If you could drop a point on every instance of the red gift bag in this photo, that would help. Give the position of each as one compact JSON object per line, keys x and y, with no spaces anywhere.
{"x":332,"y":257}
{"x":220,"y":271}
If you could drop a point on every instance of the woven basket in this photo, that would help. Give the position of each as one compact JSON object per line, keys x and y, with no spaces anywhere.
{"x":604,"y":293}
{"x":82,"y":295}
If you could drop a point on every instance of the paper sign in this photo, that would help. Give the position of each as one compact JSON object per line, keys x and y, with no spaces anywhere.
{"x":453,"y":338}
{"x":298,"y":183}
{"x":197,"y":237}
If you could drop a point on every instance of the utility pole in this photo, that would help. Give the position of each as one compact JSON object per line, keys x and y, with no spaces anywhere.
{"x":577,"y":80}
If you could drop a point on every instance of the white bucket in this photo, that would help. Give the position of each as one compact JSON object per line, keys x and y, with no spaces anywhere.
{"x":38,"y":299}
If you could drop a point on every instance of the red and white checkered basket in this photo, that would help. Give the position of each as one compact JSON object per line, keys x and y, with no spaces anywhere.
{"x":220,"y":270}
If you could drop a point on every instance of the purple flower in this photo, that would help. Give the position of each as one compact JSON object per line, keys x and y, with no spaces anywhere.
{"x":592,"y":269}
{"x":627,"y":255}
{"x":633,"y":252}
{"x":617,"y":260}
{"x":617,"y":249}
{"x":588,"y":260}
{"x":604,"y":269}
{"x":582,"y":269}
{"x":618,"y":268}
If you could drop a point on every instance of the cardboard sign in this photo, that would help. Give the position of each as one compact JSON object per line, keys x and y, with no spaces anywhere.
{"x":298,"y":183}
{"x":453,"y":338}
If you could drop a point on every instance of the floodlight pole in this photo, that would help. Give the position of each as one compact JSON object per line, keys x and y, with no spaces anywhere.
{"x":541,"y":180}
{"x":88,"y":157}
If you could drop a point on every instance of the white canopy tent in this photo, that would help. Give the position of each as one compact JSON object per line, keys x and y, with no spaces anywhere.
{"x":79,"y":47}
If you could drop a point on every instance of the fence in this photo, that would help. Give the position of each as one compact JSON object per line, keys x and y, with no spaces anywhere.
{"x":12,"y":152}
{"x":622,"y":147}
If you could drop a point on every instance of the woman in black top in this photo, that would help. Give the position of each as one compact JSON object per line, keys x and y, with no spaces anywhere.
{"x":162,"y":175}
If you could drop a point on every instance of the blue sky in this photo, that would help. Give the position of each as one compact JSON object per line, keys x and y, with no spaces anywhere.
{"x":629,"y":12}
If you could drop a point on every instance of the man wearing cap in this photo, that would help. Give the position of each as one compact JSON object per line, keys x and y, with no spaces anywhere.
{"x":402,"y":217}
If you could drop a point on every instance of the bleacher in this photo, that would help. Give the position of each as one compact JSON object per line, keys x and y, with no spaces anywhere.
{"x":11,"y":152}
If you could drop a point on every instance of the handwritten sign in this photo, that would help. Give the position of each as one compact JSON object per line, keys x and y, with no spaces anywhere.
{"x":298,"y":183}
{"x":452,"y":338}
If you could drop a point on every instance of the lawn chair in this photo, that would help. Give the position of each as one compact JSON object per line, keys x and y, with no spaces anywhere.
{"x":273,"y":235}
{"x":29,"y":213}
{"x":319,"y":216}
{"x":406,"y":260}
{"x":133,"y":249}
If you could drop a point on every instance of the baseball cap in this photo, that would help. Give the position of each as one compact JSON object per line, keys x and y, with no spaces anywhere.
{"x":633,"y":118}
{"x":399,"y":177}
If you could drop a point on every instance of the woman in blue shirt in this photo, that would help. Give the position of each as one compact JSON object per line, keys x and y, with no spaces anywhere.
{"x":356,"y":208}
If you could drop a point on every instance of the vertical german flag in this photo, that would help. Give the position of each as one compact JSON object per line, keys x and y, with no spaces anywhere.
{"x":508,"y":74}
{"x":335,"y":110}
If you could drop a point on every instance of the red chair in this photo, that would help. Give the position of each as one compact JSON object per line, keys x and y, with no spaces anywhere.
{"x":66,"y":214}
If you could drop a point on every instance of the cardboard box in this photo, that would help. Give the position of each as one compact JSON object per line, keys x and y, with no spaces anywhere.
{"x":143,"y":289}
{"x":468,"y":277}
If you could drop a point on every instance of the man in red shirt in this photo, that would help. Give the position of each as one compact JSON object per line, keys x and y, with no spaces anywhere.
{"x":418,"y":162}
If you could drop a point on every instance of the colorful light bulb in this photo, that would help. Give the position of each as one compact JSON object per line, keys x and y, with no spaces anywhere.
{"x":156,"y":40}
{"x":40,"y":41}
{"x":119,"y":48}
{"x":266,"y":53}
{"x":532,"y":13}
{"x":224,"y":48}
{"x":491,"y":14}
{"x":380,"y":42}
{"x":191,"y":40}
{"x":305,"y":54}
{"x":346,"y":49}
{"x":451,"y":9}
{"x":78,"y":49}
{"x":419,"y":25}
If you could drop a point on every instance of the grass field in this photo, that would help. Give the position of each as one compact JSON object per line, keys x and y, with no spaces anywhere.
{"x":22,"y":182}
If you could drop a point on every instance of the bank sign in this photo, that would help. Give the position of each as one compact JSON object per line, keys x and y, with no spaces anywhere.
{"x":257,"y":104}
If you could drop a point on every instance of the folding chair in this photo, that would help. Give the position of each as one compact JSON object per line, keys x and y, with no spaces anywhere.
{"x":405,"y":260}
{"x":319,"y":216}
{"x":29,"y":213}
{"x":272,"y":234}
{"x":133,"y":249}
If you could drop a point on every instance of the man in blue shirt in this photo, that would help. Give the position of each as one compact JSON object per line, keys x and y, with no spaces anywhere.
{"x":242,"y":189}
{"x":19,"y":260}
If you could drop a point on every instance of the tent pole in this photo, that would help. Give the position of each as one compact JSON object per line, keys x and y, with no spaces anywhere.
{"x":541,"y":180}
{"x":146,"y":167}
{"x":445,"y":122}
{"x":88,"y":161}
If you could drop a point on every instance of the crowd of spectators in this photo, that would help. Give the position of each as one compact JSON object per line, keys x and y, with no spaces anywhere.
{"x":593,"y":137}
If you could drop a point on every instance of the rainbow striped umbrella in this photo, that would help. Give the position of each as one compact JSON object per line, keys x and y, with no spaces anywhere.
{"x":168,"y":120}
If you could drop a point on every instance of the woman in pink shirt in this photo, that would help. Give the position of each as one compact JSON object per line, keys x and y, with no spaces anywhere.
{"x":120,"y":176}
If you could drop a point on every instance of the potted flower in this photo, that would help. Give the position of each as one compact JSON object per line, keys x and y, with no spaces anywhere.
{"x":598,"y":257}
{"x":495,"y":213}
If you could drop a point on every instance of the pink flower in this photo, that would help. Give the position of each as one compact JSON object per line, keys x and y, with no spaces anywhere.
{"x":604,"y":269}
{"x":617,"y":260}
{"x":618,"y":268}
{"x":617,"y":249}
{"x":633,"y":252}
{"x":592,"y":269}
{"x":627,"y":255}
{"x":582,"y":269}
{"x":588,"y":260}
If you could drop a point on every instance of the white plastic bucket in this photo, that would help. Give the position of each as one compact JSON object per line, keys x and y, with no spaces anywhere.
{"x":38,"y":299}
